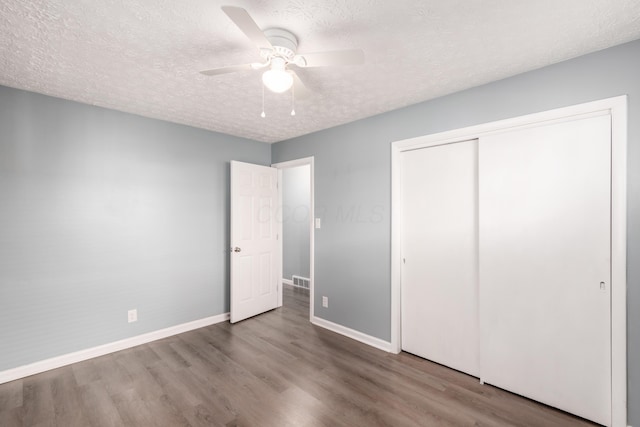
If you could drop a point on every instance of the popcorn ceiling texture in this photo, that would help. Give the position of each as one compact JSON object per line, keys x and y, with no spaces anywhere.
{"x":143,"y":56}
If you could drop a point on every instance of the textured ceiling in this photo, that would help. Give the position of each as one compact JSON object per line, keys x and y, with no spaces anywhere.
{"x":143,"y":56}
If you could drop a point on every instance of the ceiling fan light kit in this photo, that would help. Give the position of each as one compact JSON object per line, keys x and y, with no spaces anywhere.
{"x":277,"y":79}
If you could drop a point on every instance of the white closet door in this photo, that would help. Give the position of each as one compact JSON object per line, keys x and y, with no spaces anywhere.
{"x":545,"y":264}
{"x":439,"y":294}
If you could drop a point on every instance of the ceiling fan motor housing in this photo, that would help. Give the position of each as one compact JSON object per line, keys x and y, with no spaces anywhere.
{"x":284,"y":44}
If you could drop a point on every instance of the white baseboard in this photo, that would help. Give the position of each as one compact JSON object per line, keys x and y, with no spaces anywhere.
{"x":287,"y":281}
{"x":101,"y":350}
{"x":353,"y":334}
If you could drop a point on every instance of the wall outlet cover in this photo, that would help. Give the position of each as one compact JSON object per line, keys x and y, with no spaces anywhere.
{"x":132,"y":315}
{"x":325,"y":302}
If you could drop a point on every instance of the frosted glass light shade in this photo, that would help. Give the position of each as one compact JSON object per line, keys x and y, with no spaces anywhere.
{"x":277,"y":80}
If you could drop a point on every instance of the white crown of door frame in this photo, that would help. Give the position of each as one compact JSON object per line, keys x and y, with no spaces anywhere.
{"x":617,"y":108}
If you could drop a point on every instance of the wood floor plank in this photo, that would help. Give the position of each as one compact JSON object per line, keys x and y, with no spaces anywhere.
{"x":198,"y":400}
{"x":12,"y":417}
{"x":11,"y":395}
{"x":67,"y":400}
{"x":85,"y":372}
{"x":38,"y":400}
{"x":136,"y":369}
{"x":133,"y":410}
{"x":181,"y":384}
{"x":163,"y":350}
{"x":99,"y":406}
{"x":112,"y":375}
{"x":272,"y":370}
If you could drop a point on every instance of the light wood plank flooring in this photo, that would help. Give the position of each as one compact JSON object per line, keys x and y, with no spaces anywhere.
{"x":272,"y":370}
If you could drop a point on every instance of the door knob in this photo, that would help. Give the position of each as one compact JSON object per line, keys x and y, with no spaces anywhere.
{"x":237,"y":249}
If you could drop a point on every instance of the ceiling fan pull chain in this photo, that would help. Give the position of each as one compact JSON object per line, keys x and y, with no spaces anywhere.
{"x":263,"y":115}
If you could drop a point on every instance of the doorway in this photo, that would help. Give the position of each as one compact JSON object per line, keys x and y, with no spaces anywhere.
{"x":296,"y":225}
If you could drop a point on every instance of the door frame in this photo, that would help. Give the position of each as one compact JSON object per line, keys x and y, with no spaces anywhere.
{"x":286,"y":165}
{"x":616,"y":107}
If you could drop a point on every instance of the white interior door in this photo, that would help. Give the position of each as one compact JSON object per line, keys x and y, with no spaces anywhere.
{"x":545,"y":325}
{"x":254,"y":244}
{"x":439,"y":290}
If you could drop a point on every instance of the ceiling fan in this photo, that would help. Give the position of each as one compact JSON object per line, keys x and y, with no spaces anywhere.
{"x":278,"y":49}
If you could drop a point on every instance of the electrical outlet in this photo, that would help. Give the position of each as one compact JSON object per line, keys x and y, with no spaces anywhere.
{"x":318,"y":223}
{"x":325,"y":302}
{"x":132,"y":315}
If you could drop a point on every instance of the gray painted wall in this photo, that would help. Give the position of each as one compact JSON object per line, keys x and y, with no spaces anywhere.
{"x":353,"y":180}
{"x":296,"y":208}
{"x":102,"y":212}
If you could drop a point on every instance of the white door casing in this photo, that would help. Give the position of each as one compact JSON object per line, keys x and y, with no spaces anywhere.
{"x":254,"y":240}
{"x":439,"y":255}
{"x":544,"y":226}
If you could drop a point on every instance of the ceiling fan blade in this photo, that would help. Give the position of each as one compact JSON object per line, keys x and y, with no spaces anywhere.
{"x":337,"y":57}
{"x":229,"y":69}
{"x":248,"y":26}
{"x":299,"y":89}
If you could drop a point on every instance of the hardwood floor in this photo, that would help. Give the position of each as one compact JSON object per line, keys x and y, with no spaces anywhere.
{"x":272,"y":370}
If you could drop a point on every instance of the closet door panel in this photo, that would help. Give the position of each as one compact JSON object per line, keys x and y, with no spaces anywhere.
{"x":439,"y":248}
{"x":544,"y":245}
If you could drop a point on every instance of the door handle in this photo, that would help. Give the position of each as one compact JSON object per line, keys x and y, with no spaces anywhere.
{"x":237,"y":249}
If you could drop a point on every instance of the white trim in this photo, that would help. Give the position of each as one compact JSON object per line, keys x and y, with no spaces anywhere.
{"x":353,"y":334}
{"x":280,"y":266}
{"x":486,"y":129}
{"x":619,"y":261}
{"x":101,"y":350}
{"x":287,"y":282}
{"x":312,"y":240}
{"x":293,"y":163}
{"x":617,"y":108}
{"x":396,"y":255}
{"x":290,"y":164}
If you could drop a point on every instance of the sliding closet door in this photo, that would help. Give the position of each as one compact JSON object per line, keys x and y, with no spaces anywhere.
{"x":439,"y":249}
{"x":544,"y":246}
